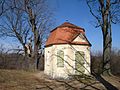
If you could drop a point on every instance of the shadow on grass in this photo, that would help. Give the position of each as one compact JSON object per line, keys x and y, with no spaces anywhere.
{"x":107,"y":85}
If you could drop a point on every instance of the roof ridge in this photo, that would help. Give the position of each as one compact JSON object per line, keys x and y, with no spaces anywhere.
{"x":68,"y":24}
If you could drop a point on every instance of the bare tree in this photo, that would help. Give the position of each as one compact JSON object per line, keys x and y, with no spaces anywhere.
{"x":39,"y":18}
{"x":27,"y":20}
{"x":14,"y":25}
{"x":105,"y":12}
{"x":3,"y":9}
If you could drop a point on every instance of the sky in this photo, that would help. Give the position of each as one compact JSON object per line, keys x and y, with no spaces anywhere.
{"x":77,"y":12}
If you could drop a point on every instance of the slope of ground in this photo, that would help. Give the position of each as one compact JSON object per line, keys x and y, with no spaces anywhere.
{"x":17,"y":80}
{"x":21,"y":80}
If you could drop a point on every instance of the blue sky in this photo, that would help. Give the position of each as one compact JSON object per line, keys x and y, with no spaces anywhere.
{"x":77,"y":12}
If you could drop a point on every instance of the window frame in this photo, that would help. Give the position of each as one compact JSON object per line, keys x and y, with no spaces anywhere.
{"x":60,"y":59}
{"x":82,"y":54}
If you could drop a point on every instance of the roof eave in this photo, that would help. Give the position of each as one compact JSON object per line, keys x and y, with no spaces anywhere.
{"x":67,"y":43}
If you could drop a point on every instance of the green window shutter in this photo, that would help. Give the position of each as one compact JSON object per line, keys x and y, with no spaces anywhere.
{"x":60,"y":58}
{"x":79,"y":62}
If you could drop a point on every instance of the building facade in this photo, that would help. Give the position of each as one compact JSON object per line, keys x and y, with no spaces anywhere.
{"x":67,"y":52}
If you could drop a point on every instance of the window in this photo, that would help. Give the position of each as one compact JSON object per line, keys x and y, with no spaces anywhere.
{"x":60,"y":58}
{"x":79,"y":62}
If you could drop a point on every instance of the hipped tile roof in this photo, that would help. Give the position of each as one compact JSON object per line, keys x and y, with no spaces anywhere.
{"x":65,"y":34}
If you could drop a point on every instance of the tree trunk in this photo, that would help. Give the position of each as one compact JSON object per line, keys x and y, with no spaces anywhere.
{"x":35,"y":52}
{"x":105,"y":7}
{"x":36,"y":39}
{"x":25,"y":50}
{"x":106,"y":54}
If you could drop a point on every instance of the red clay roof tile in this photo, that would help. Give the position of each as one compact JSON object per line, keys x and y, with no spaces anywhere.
{"x":65,"y":34}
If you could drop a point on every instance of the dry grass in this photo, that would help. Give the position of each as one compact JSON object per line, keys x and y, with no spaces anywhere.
{"x":22,"y":80}
{"x":17,"y":80}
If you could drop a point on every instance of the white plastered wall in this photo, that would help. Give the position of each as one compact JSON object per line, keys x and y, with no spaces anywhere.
{"x":80,"y":38}
{"x":51,"y":68}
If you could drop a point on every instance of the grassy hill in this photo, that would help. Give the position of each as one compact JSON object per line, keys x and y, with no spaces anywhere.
{"x":22,"y":80}
{"x":17,"y":80}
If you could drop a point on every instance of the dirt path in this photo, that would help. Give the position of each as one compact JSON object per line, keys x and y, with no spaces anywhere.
{"x":49,"y":84}
{"x":115,"y":81}
{"x":22,"y":80}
